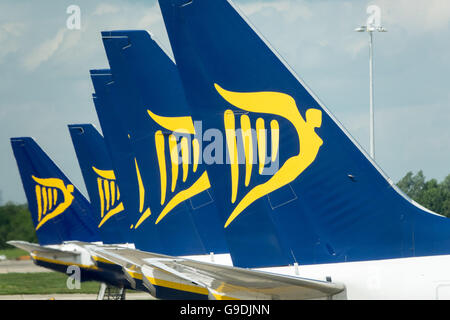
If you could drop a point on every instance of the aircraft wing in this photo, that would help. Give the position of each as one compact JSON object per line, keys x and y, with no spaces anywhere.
{"x":30,"y":247}
{"x":221,"y":282}
{"x":227,"y":281}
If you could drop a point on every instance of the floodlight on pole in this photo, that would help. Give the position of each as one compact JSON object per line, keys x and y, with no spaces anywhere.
{"x":373,"y":24}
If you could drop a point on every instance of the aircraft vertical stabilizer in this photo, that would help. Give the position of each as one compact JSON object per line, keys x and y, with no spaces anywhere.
{"x":59,"y":211}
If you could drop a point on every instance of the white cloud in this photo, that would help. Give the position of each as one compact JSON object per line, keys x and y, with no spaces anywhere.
{"x":254,"y":7}
{"x":44,"y":51}
{"x":354,"y":48}
{"x":105,"y":8}
{"x":416,"y":16}
{"x":11,"y":28}
{"x":291,"y":9}
{"x":10,"y":38}
{"x":151,"y":17}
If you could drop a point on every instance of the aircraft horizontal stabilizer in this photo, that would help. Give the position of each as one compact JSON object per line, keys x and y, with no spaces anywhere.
{"x":33,"y":247}
{"x":221,"y":282}
{"x":224,"y":282}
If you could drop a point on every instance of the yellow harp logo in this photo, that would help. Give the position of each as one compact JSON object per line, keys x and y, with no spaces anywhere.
{"x":109,"y":194}
{"x":274,"y":103}
{"x":176,"y":125}
{"x":47,"y":198}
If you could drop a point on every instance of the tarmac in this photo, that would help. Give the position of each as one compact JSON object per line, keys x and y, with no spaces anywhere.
{"x":73,"y":296}
{"x":20,"y":266}
{"x":27,"y":266}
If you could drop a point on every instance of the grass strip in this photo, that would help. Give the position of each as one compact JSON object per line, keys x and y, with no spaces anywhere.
{"x":41,"y":283}
{"x":12,"y":254}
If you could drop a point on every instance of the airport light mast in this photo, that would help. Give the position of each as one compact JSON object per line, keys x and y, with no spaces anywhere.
{"x":373,"y":24}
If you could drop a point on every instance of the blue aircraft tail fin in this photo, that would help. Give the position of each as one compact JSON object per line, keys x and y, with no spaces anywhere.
{"x":183,"y":208}
{"x":326,"y":201}
{"x":100,"y":179}
{"x":123,"y":159}
{"x":58,"y":210}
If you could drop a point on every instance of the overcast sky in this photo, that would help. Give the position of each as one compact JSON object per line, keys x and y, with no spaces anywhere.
{"x":45,"y":84}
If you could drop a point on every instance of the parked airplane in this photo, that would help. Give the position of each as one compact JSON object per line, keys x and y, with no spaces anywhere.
{"x":337,"y":217}
{"x":61,"y":216}
{"x":326,"y":211}
{"x":112,"y":218}
{"x":329,"y":207}
{"x":126,"y":43}
{"x":101,"y":184}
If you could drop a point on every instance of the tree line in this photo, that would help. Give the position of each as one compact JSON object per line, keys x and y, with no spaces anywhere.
{"x":431,"y":194}
{"x":16,"y":224}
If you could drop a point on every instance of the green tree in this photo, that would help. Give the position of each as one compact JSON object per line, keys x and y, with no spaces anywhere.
{"x":15,"y":224}
{"x":445,"y":185}
{"x":412,"y":184}
{"x":431,"y":194}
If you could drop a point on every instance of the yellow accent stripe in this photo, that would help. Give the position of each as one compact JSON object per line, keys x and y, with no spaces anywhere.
{"x":112,"y":185}
{"x":50,"y":200}
{"x":44,"y":200}
{"x":141,"y":187}
{"x":101,"y":196}
{"x":185,"y":157}
{"x":170,"y":284}
{"x":230,"y":133}
{"x":175,"y":124}
{"x":159,"y":143}
{"x":261,"y":137}
{"x":55,"y":196}
{"x":223,"y":297}
{"x":106,"y":190}
{"x":64,"y":263}
{"x":219,"y":293}
{"x":39,"y":202}
{"x":275,"y":133}
{"x":177,"y":286}
{"x":99,"y":259}
{"x":196,"y":153}
{"x":135,"y":275}
{"x":174,"y":160}
{"x":107,"y":174}
{"x":112,"y":212}
{"x":248,"y":146}
{"x":200,"y":185}
{"x":144,"y":216}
